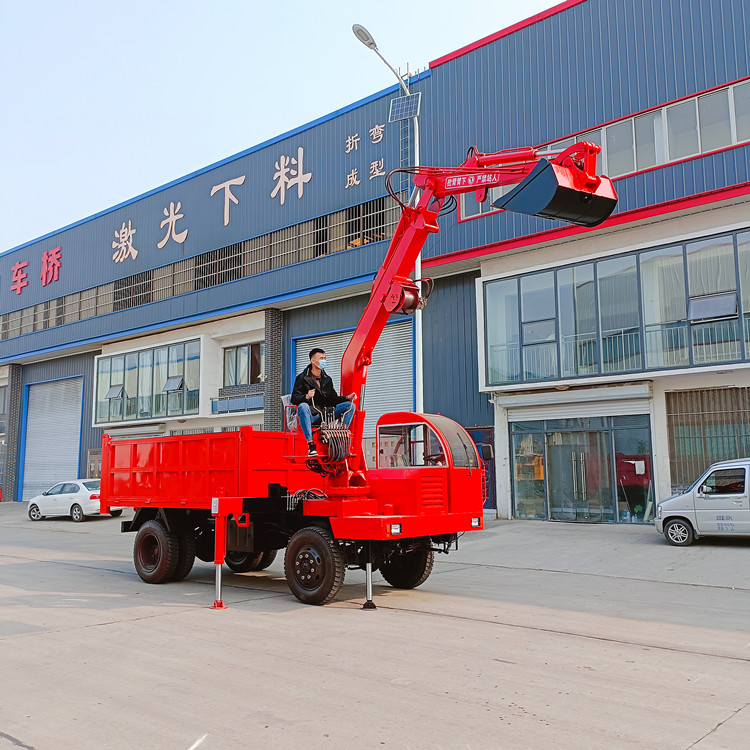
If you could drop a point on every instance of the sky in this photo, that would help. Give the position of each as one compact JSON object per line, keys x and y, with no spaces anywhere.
{"x":102,"y":101}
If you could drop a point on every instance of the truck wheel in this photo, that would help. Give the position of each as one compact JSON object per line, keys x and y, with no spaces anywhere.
{"x":314,"y":566}
{"x":115,"y":513}
{"x":155,"y":552}
{"x":679,"y":532}
{"x":185,"y":555}
{"x":409,"y":570}
{"x":243,"y":562}
{"x":266,"y":559}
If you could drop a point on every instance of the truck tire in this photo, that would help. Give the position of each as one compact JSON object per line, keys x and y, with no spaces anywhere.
{"x":267,"y":559}
{"x":679,"y":532}
{"x":155,"y":552}
{"x":314,"y":566}
{"x":409,"y":570}
{"x":115,"y":513}
{"x":185,"y":555}
{"x":243,"y":562}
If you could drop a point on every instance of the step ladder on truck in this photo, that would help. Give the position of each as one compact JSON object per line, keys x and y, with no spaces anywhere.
{"x":239,"y":497}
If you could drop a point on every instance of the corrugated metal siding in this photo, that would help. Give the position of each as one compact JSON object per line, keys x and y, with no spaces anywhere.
{"x":450,"y":353}
{"x":79,"y":365}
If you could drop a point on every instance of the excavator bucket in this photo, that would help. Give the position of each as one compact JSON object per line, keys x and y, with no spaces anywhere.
{"x":557,"y":192}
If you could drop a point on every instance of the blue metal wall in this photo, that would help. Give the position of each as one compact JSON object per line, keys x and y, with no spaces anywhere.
{"x":450,"y":345}
{"x":451,"y":374}
{"x":590,"y":64}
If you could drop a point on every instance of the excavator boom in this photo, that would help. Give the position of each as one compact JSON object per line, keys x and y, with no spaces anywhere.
{"x":561,"y":186}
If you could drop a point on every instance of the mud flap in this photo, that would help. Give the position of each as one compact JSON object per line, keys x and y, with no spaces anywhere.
{"x":551,"y":191}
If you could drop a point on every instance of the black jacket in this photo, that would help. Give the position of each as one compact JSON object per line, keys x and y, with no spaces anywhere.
{"x":324,"y":396}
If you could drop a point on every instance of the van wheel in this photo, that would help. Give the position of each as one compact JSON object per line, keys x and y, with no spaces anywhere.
{"x":679,"y":532}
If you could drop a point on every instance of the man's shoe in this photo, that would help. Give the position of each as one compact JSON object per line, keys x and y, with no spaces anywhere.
{"x":311,"y":449}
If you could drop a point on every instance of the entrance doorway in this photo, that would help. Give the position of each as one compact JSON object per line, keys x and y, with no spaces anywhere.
{"x":589,"y":470}
{"x":579,"y":476}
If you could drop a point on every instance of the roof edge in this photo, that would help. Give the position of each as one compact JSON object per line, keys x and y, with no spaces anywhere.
{"x":554,"y":10}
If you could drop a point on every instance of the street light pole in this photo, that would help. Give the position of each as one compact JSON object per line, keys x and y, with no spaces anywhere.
{"x":367,"y":39}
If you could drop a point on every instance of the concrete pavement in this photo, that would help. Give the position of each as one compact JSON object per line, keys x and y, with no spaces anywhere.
{"x":532,"y":635}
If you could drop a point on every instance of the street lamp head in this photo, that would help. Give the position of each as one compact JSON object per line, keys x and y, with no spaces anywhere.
{"x":364,"y":36}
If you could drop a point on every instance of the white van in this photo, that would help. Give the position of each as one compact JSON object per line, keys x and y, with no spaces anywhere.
{"x":716,"y":505}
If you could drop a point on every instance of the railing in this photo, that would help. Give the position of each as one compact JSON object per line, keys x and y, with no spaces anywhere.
{"x":717,"y":341}
{"x":227,"y":404}
{"x":666,"y":345}
{"x":621,"y":350}
{"x":579,"y":354}
{"x":503,"y":364}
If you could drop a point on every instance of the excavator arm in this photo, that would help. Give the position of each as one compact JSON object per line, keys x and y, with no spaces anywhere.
{"x":561,"y":186}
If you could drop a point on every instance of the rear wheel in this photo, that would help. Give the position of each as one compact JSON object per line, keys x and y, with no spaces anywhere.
{"x":314,"y":566}
{"x":243,"y":562}
{"x":409,"y":570}
{"x":155,"y":552}
{"x":34,"y":513}
{"x":76,"y":513}
{"x":266,"y":559}
{"x":679,"y":532}
{"x":185,"y":555}
{"x":115,"y":513}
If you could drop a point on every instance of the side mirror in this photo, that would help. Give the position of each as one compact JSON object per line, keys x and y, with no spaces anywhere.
{"x":45,"y":493}
{"x":486,"y":452}
{"x":704,"y":489}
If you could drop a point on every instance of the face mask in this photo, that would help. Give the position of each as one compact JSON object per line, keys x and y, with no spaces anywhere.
{"x":322,"y":364}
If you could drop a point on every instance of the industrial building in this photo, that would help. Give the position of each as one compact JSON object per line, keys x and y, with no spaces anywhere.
{"x":608,"y":367}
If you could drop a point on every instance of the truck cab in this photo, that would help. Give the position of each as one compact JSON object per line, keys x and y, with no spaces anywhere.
{"x":717,"y":504}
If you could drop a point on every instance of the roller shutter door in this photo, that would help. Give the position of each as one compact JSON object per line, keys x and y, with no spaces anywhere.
{"x":390,"y":377}
{"x":53,"y":435}
{"x":576,"y":410}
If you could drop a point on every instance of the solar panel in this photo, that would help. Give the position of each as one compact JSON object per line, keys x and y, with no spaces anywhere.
{"x":405,"y":107}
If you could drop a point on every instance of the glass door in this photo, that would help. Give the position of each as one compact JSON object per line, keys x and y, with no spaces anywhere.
{"x":579,"y":484}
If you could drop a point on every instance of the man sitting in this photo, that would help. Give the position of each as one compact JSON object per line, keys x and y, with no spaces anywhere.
{"x":313,"y":391}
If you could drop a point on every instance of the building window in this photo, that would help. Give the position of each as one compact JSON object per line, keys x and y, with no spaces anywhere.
{"x":244,"y":365}
{"x":660,"y":308}
{"x":151,"y":383}
{"x":682,"y":130}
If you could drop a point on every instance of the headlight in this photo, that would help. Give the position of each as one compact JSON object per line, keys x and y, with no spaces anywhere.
{"x":395,"y":528}
{"x":476,"y":523}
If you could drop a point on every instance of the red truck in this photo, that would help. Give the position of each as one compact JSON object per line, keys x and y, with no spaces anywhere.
{"x":239,"y":497}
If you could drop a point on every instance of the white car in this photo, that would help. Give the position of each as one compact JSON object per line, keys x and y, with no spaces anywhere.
{"x":77,"y":499}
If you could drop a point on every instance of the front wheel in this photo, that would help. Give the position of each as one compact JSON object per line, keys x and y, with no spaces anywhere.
{"x":155,"y":553}
{"x":314,"y":566}
{"x":34,"y":513}
{"x":76,"y":513}
{"x":410,"y":569}
{"x":679,"y":532}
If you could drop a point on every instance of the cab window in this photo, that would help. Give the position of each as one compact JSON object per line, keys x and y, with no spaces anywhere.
{"x":725,"y":482}
{"x":409,"y":445}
